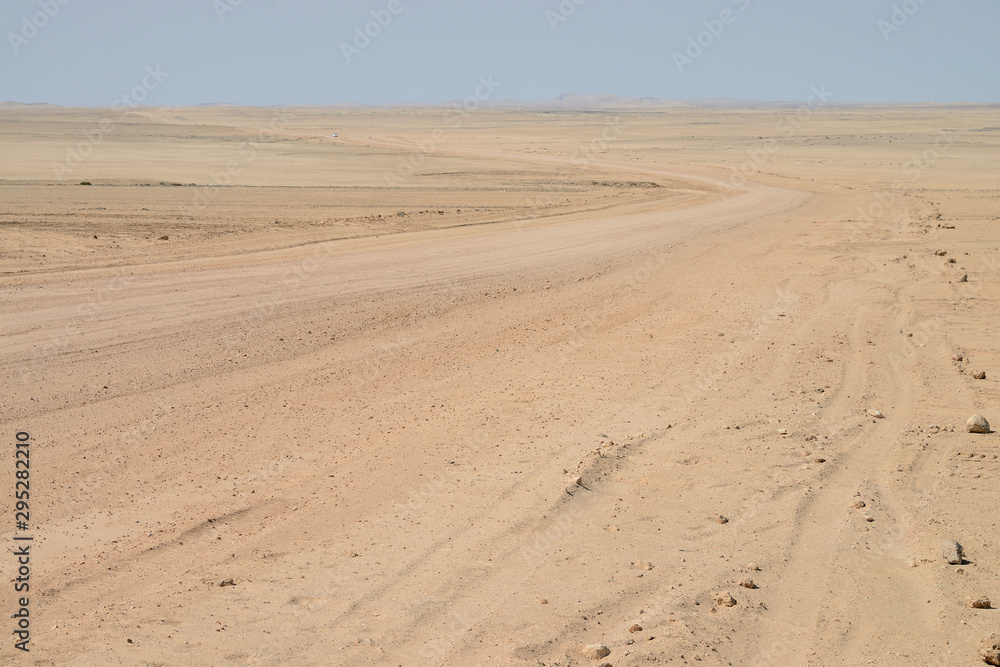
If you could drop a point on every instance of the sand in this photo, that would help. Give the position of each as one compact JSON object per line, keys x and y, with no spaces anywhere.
{"x":479,"y":389}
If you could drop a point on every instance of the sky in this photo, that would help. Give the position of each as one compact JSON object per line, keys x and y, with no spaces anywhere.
{"x":383,"y":52}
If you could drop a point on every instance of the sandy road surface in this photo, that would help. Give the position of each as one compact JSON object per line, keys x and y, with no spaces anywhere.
{"x":375,"y":437}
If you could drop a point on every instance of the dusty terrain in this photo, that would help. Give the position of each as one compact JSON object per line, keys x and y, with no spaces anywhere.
{"x":360,"y":376}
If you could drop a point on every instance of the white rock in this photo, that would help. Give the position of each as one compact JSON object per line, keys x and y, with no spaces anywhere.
{"x":977,"y":424}
{"x":596,"y":651}
{"x":951,"y":551}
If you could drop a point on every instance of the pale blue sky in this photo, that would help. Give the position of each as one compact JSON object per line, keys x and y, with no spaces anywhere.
{"x":272,"y":52}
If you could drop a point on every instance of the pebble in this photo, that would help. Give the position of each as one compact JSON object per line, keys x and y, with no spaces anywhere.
{"x":941,"y":253}
{"x":981,"y":375}
{"x":869,"y":519}
{"x":957,"y":357}
{"x":951,"y":551}
{"x":635,"y":628}
{"x":227,"y":582}
{"x":596,"y":651}
{"x":782,"y":431}
{"x":748,"y":583}
{"x":721,"y":519}
{"x":977,"y":602}
{"x":725,"y":600}
{"x":858,"y":504}
{"x":977,"y":424}
{"x":876,"y":414}
{"x":753,"y":567}
{"x":989,"y":649}
{"x":965,"y":278}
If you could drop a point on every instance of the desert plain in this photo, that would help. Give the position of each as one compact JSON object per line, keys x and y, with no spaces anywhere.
{"x":500,"y":387}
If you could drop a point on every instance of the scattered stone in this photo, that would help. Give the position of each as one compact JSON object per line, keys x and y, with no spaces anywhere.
{"x":227,"y":582}
{"x":977,"y":424}
{"x":748,"y":583}
{"x":977,"y":602}
{"x":952,"y":552}
{"x":981,"y":375}
{"x":858,"y":504}
{"x":725,"y":600}
{"x":933,"y":428}
{"x":810,"y":438}
{"x":635,"y":628}
{"x":989,"y":649}
{"x":876,"y":414}
{"x":964,"y":278}
{"x":596,"y":651}
{"x":721,"y":519}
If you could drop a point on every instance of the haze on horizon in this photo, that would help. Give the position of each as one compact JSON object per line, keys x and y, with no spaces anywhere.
{"x":382,"y":52}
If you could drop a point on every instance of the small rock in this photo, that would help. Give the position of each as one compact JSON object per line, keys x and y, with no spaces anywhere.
{"x":964,"y":278}
{"x":644,"y":566}
{"x":753,"y":567}
{"x":869,"y":519}
{"x":989,"y":649}
{"x":952,"y":552}
{"x":721,"y":519}
{"x":977,"y":424}
{"x":933,"y":428}
{"x":227,"y":582}
{"x":876,"y":414}
{"x":544,"y":601}
{"x":819,"y":460}
{"x":981,"y":375}
{"x":596,"y":651}
{"x":748,"y":583}
{"x":575,"y":481}
{"x":782,"y":431}
{"x":957,"y":357}
{"x":725,"y":600}
{"x":605,"y":664}
{"x":635,"y":628}
{"x":164,"y":238}
{"x":977,"y":602}
{"x":858,"y":504}
{"x":941,"y":253}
